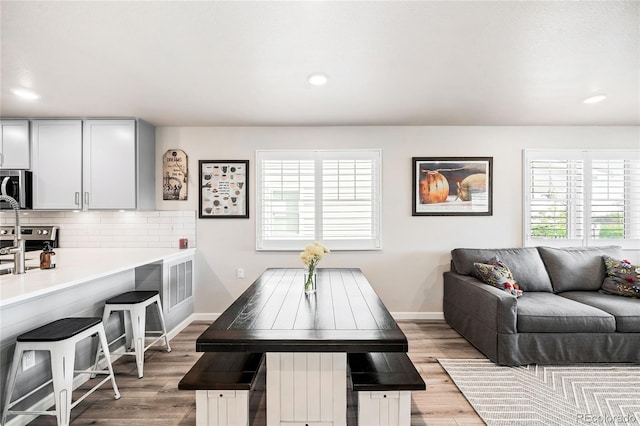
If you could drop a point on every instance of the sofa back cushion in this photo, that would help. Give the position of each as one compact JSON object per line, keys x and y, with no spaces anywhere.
{"x":577,"y":268}
{"x":525,"y":264}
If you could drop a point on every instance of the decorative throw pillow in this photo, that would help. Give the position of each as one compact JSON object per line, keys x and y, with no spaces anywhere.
{"x":622,"y":279}
{"x":497,"y":274}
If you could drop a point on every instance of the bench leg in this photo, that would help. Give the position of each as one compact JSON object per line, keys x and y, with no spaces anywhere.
{"x":222,"y":407}
{"x":391,"y":408}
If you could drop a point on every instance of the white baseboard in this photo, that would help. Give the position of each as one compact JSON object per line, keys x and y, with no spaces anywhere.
{"x":178,"y":328}
{"x":417,"y":315}
{"x":201,"y":316}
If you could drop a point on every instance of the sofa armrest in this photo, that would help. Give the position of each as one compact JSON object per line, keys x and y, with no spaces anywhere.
{"x":494,"y":308}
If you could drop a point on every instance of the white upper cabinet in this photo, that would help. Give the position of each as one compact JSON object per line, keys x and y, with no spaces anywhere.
{"x":109,"y":175}
{"x":57,"y":164}
{"x":93,"y":164}
{"x":14,"y":146}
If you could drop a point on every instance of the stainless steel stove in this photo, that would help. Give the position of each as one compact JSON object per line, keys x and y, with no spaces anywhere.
{"x":34,"y":236}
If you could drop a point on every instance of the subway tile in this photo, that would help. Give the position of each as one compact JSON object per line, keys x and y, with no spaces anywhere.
{"x":148,"y":214}
{"x":136,"y":244}
{"x":159,"y":220}
{"x":111,"y":244}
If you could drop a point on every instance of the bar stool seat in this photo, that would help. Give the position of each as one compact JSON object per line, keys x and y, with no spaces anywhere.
{"x":59,"y":330}
{"x":131,"y":297}
{"x":59,"y":338}
{"x":135,"y":303}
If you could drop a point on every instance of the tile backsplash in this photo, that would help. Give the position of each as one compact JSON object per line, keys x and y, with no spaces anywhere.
{"x":113,"y":229}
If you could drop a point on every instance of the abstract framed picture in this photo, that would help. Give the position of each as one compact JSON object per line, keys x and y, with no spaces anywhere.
{"x":452,"y":186}
{"x":224,"y":189}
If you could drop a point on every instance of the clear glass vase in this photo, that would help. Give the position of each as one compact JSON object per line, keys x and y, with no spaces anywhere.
{"x":310,"y":283}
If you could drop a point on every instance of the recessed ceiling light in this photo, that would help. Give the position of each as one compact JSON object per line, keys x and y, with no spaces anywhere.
{"x":25,"y":94}
{"x":595,"y":99}
{"x":318,"y":79}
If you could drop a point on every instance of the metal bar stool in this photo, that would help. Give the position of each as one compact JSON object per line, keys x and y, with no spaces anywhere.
{"x":59,"y":338}
{"x":136,"y":302}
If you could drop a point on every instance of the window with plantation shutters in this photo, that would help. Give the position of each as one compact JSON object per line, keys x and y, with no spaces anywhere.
{"x":581,"y":197}
{"x":328,"y":196}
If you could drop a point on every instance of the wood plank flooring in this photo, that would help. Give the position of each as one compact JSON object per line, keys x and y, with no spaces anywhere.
{"x":156,"y":400}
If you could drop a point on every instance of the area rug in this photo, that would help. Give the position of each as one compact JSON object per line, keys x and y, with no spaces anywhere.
{"x":589,"y":394}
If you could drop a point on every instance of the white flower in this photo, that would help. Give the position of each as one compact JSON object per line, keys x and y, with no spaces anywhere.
{"x":312,"y":254}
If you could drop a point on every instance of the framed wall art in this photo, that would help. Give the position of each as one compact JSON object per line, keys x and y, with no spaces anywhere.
{"x":452,"y":186}
{"x":224,"y":189}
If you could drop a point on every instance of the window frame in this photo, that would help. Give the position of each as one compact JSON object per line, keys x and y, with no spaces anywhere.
{"x":587,"y":156}
{"x":318,"y":156}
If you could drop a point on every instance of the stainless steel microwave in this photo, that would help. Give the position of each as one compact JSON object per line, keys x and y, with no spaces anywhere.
{"x":18,"y":185}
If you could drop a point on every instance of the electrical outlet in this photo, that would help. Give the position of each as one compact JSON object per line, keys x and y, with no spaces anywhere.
{"x":240,"y":273}
{"x":28,"y":360}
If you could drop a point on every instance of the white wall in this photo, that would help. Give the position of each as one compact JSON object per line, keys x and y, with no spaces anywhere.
{"x":407,"y":274}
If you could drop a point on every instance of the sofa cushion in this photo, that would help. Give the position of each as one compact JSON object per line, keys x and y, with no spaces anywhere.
{"x":525,"y":264}
{"x":576,"y":268}
{"x":625,"y":310}
{"x":622,"y":278}
{"x":541,"y":312}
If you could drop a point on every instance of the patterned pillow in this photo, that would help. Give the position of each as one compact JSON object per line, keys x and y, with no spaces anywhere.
{"x":623,"y":278}
{"x":497,"y":274}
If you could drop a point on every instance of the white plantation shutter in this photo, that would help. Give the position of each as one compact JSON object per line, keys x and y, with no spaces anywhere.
{"x":577,"y":197}
{"x":556,"y":203}
{"x":615,"y":197}
{"x":328,"y":196}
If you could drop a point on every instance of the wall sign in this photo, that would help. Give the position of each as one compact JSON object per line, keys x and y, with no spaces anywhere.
{"x":175,"y":172}
{"x":224,"y":189}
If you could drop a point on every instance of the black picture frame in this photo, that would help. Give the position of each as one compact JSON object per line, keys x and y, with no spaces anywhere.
{"x":452,"y":186}
{"x":223,"y":189}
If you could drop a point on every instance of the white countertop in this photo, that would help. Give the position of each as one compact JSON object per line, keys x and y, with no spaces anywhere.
{"x":75,"y":266}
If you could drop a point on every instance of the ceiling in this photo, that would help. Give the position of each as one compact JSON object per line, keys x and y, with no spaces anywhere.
{"x":238,"y":63}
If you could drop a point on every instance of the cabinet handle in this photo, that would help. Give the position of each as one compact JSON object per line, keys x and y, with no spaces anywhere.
{"x":1,"y":159}
{"x":86,"y":198}
{"x":77,"y":198}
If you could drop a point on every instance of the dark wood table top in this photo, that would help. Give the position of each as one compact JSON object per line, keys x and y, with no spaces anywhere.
{"x":274,"y":315}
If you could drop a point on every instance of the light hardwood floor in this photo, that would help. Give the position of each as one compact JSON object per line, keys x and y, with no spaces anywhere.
{"x":156,"y":400}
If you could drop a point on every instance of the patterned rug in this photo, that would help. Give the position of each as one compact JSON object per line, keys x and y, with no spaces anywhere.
{"x":588,"y":394}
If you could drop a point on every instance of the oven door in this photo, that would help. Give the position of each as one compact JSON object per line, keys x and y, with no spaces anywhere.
{"x":17,"y":185}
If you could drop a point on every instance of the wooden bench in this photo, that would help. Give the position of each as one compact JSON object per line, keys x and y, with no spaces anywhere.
{"x":384,"y":382}
{"x":222,"y":381}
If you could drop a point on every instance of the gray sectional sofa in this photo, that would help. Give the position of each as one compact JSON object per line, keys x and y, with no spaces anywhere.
{"x":561,"y":317}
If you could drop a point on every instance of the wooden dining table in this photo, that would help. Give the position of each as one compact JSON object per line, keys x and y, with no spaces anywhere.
{"x":306,"y":338}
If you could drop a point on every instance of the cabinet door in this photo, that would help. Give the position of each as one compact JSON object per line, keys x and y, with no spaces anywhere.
{"x":109,"y":176}
{"x":57,"y":164}
{"x":14,"y":146}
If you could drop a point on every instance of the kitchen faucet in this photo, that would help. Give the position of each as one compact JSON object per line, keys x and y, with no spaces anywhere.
{"x":18,"y":243}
